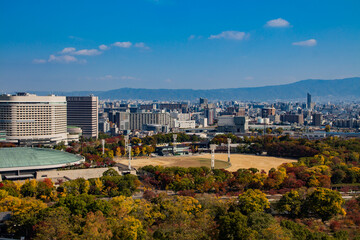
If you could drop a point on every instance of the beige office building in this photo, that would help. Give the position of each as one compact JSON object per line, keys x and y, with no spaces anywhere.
{"x":27,"y":118}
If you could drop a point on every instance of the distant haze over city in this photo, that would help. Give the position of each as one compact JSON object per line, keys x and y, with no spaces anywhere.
{"x":325,"y":90}
{"x":175,"y":44}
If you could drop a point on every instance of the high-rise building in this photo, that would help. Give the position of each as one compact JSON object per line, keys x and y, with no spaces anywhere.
{"x":309,"y":104}
{"x":266,"y":112}
{"x":122,"y":120}
{"x":137,"y":120}
{"x":83,"y":112}
{"x":203,"y":101}
{"x":30,"y":119}
{"x":317,"y":119}
{"x":230,"y":123}
{"x":293,"y":118}
{"x":209,"y":113}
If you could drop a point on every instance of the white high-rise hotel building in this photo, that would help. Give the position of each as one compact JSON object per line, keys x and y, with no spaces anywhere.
{"x":38,"y":119}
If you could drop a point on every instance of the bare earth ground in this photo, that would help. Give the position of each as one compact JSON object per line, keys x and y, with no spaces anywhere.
{"x":237,"y":161}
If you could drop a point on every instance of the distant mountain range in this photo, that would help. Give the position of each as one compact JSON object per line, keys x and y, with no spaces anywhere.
{"x":339,"y":89}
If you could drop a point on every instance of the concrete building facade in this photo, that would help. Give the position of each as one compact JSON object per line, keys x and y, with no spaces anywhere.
{"x":83,"y":112}
{"x":232,"y":124}
{"x":137,"y":120}
{"x":27,"y":118}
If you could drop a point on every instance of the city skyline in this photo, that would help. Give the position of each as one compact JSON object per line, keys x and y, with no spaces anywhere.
{"x":175,"y":44}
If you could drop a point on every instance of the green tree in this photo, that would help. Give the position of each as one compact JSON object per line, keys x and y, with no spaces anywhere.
{"x":324,"y":203}
{"x":111,"y":172}
{"x":252,"y":201}
{"x":24,"y":213}
{"x":28,"y":189}
{"x":290,"y":203}
{"x":135,"y":141}
{"x":55,"y":224}
{"x":327,"y":128}
{"x":233,"y":225}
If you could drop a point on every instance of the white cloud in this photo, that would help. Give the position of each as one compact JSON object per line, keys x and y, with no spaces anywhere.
{"x":141,"y":45}
{"x":307,"y":43}
{"x":39,"y":61}
{"x":192,"y":37}
{"x":122,"y":44}
{"x":233,"y":35}
{"x":62,"y":59}
{"x":87,"y":52}
{"x":68,"y":50}
{"x":103,"y":47}
{"x":277,"y":23}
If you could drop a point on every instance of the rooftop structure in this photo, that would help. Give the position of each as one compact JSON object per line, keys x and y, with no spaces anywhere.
{"x":29,"y":160}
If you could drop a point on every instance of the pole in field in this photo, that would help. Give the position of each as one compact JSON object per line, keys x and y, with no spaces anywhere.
{"x":212,"y":148}
{"x":229,"y":142}
{"x":126,"y":142}
{"x":174,"y":143}
{"x":129,"y":150}
{"x":103,"y":143}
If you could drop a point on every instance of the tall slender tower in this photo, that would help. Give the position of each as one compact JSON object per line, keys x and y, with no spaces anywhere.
{"x":309,"y":105}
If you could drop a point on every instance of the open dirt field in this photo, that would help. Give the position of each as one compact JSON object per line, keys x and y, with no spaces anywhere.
{"x":237,"y":161}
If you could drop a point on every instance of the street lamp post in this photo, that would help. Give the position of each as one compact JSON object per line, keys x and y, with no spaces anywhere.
{"x":229,"y":142}
{"x":212,"y":148}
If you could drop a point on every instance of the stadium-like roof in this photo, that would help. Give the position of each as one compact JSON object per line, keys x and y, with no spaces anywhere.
{"x":25,"y":158}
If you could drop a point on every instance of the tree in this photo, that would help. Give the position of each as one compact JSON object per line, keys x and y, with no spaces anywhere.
{"x":54,"y":224}
{"x":111,"y":172}
{"x":324,"y":203}
{"x":24,"y":213}
{"x":96,"y":227}
{"x":137,"y":151}
{"x":290,"y":203}
{"x":252,"y":201}
{"x":233,"y":225}
{"x":143,"y":150}
{"x":118,"y":152}
{"x":135,"y":141}
{"x":28,"y":189}
{"x":327,"y":128}
{"x":149,"y":150}
{"x":128,"y":228}
{"x":266,"y":226}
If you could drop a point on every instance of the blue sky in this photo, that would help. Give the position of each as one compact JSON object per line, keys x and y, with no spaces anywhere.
{"x":201,"y":44}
